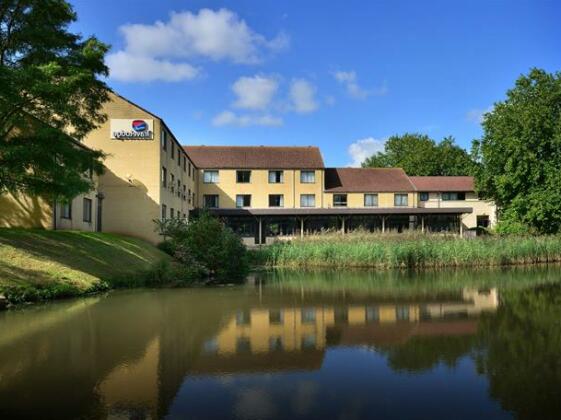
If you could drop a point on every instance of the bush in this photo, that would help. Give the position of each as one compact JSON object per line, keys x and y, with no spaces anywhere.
{"x":206,"y":247}
{"x":510,"y":224}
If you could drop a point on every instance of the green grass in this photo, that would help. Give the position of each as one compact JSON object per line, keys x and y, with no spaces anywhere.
{"x":39,"y":264}
{"x":412,"y":250}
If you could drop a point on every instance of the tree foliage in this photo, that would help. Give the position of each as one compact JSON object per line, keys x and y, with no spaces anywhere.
{"x":520,"y":153}
{"x":50,"y":95}
{"x":419,"y":155}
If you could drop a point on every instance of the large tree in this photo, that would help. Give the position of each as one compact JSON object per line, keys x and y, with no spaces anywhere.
{"x":50,"y":96}
{"x":420,"y":155}
{"x":520,"y":153}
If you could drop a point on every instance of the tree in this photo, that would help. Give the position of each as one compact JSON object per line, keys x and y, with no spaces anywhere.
{"x":520,"y":153}
{"x":50,"y":96}
{"x":419,"y":155}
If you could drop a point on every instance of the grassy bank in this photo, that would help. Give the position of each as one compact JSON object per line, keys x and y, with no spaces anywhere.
{"x":37,"y":264}
{"x":409,"y":251}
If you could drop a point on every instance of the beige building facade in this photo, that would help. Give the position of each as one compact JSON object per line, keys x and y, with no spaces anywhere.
{"x":263,"y":193}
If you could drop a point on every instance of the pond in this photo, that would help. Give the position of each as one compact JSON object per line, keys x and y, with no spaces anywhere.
{"x":448,"y":344}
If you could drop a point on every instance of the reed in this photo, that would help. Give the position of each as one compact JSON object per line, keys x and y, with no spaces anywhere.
{"x":409,"y":250}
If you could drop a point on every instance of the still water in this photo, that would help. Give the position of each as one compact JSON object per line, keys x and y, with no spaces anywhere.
{"x":480,"y":344}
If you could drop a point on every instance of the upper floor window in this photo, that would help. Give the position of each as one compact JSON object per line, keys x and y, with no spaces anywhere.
{"x":164,"y":177}
{"x":172,"y":182}
{"x":184,"y":197}
{"x":87,"y":210}
{"x":172,"y":149}
{"x":185,"y":164}
{"x":307,"y":177}
{"x":276,"y":177}
{"x":452,"y":196}
{"x":189,"y":172}
{"x":276,"y":200}
{"x":210,"y":201}
{"x":340,"y":200}
{"x":210,"y":177}
{"x":307,"y":200}
{"x":178,"y":158}
{"x":66,"y":210}
{"x":370,"y":200}
{"x":164,"y":140}
{"x":243,"y":200}
{"x":243,"y":177}
{"x":424,"y":196}
{"x":401,"y":200}
{"x":179,"y":188}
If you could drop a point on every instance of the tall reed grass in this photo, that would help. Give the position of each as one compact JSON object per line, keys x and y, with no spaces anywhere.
{"x":409,"y":250}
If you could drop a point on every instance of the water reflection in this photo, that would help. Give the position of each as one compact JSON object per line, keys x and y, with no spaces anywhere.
{"x":277,"y":349}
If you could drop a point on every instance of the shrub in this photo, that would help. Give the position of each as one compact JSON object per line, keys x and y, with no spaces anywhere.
{"x":206,"y":247}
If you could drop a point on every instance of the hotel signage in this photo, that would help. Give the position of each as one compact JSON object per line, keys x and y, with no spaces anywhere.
{"x":139,"y":129}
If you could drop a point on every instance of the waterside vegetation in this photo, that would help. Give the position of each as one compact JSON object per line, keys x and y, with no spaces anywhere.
{"x":409,"y":250}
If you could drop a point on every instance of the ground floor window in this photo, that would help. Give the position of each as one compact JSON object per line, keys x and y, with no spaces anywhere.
{"x":243,"y":200}
{"x":483,"y":221}
{"x":370,"y":200}
{"x":400,"y":200}
{"x":243,"y":226}
{"x":340,"y":200}
{"x":307,"y":200}
{"x":276,"y":200}
{"x":66,"y":210}
{"x":87,"y":207}
{"x":210,"y":201}
{"x":164,"y":211}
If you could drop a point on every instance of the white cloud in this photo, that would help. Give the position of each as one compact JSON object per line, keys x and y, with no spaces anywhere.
{"x":254,"y":92}
{"x":349,"y":79}
{"x":211,"y":34}
{"x":477,"y":115}
{"x":244,"y":120}
{"x":302,"y":95}
{"x":364,"y":148}
{"x":130,"y":68}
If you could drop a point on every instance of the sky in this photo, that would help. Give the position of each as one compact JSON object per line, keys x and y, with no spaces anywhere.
{"x":341,"y":75}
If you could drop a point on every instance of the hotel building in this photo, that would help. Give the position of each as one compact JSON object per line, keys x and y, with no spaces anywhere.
{"x":263,"y":193}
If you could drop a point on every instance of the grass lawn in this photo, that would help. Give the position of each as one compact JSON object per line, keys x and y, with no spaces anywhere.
{"x":38,"y":264}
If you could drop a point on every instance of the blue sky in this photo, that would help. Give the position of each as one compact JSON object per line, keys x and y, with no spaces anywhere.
{"x":342,"y":75}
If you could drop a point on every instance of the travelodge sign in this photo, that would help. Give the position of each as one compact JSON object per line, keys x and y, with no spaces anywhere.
{"x":138,"y":129}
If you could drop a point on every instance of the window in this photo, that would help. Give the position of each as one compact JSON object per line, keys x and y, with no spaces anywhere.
{"x":400,"y":200}
{"x":307,"y":200}
{"x":276,"y":200}
{"x":275,"y":343}
{"x":172,"y":149}
{"x":243,"y":177}
{"x":87,"y":210}
{"x":189,"y":172}
{"x":276,"y":177}
{"x":185,"y":192}
{"x":453,"y":196}
{"x":243,"y":317}
{"x":164,"y":211}
{"x":210,"y":177}
{"x":340,"y":200}
{"x":275,"y":316}
{"x":424,"y":196}
{"x":189,"y":195}
{"x":243,"y":200}
{"x":308,"y":315}
{"x":370,"y":200}
{"x":164,"y":177}
{"x":483,"y":221}
{"x":185,"y":164}
{"x":172,"y":182}
{"x":171,"y":212}
{"x":372,"y":314}
{"x":211,"y":201}
{"x":179,"y":188}
{"x":66,"y":210}
{"x":307,"y":177}
{"x":402,"y":313}
{"x":164,"y":140}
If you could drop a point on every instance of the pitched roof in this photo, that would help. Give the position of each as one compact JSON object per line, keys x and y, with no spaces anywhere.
{"x":255,"y":157}
{"x":367,"y":180}
{"x":443,"y":183}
